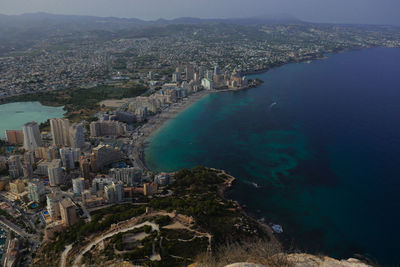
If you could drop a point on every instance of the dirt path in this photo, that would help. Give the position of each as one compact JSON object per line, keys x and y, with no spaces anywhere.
{"x":63,"y":261}
{"x":97,"y":240}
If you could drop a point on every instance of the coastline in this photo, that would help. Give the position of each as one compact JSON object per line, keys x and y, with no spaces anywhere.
{"x":156,"y":122}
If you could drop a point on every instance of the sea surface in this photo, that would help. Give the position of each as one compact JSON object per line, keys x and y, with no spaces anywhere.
{"x":316,"y":149}
{"x":14,"y":115}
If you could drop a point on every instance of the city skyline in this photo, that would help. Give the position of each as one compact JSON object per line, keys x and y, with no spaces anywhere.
{"x":339,"y":11}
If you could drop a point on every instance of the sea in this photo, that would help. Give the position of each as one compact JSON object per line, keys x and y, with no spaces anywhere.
{"x":315,"y":148}
{"x":14,"y":115}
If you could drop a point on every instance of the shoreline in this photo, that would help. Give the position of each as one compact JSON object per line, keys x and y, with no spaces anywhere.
{"x":153,"y":124}
{"x":228,"y":184}
{"x":156,"y":122}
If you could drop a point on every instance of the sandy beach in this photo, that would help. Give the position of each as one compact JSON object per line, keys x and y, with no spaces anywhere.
{"x":156,"y":121}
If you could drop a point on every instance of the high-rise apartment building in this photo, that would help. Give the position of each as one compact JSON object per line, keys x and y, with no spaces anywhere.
{"x":55,"y":172}
{"x":105,"y":128}
{"x":78,"y":185}
{"x":85,"y":167}
{"x":53,"y":204}
{"x":68,"y":156}
{"x":15,"y":167}
{"x":114,"y":192}
{"x":15,"y":137}
{"x":17,"y":186}
{"x":60,"y":132}
{"x":31,"y":136}
{"x":128,"y":176}
{"x":36,"y":190}
{"x":104,"y":155}
{"x":189,"y":73}
{"x":77,"y":135}
{"x":68,"y":212}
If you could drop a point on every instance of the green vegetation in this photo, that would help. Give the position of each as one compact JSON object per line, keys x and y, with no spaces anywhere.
{"x":162,"y":220}
{"x":196,"y":195}
{"x":77,"y":233}
{"x":81,"y":103}
{"x":186,"y":250}
{"x":177,"y":233}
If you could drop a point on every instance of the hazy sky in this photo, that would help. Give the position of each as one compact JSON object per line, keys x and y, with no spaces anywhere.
{"x":341,"y":11}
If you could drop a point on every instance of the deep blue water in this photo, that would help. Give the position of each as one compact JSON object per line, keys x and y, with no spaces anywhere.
{"x":326,"y":156}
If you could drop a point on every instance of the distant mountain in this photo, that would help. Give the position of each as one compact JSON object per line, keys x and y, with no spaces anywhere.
{"x":54,"y":19}
{"x":269,"y":19}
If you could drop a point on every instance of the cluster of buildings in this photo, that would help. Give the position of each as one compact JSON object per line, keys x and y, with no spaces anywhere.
{"x":51,"y":70}
{"x":80,"y":166}
{"x":72,"y":171}
{"x":88,"y":62}
{"x":185,"y":81}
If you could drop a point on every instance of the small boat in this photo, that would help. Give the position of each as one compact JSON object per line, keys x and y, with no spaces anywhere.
{"x":277,"y":228}
{"x":272,"y":105}
{"x":255,"y":185}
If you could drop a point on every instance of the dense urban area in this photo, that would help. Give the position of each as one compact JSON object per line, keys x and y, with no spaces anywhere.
{"x":75,"y":190}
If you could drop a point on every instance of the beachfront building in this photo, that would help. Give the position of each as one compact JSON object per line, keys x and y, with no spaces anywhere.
{"x":152,"y":104}
{"x":162,"y":179}
{"x":207,"y":84}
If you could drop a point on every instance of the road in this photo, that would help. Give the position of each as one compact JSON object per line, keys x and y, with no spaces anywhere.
{"x":63,"y":261}
{"x":14,"y":228}
{"x":96,"y":241}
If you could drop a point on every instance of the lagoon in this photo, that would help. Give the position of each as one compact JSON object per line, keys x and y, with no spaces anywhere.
{"x":14,"y":115}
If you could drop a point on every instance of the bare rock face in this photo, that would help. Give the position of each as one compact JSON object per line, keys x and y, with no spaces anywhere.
{"x":307,"y":260}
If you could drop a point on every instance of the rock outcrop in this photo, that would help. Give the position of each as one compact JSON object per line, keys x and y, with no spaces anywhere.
{"x":307,"y":260}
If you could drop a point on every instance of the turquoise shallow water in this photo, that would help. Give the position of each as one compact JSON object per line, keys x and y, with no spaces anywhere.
{"x":325,"y":157}
{"x":15,"y":115}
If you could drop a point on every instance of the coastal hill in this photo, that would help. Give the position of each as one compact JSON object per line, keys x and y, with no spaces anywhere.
{"x":192,"y":222}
